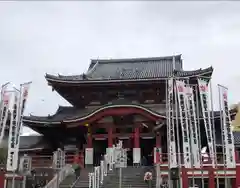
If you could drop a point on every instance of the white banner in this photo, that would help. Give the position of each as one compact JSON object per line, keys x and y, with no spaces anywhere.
{"x":23,"y":99}
{"x":204,"y":100}
{"x":3,"y":110}
{"x":228,"y":142}
{"x":171,"y":131}
{"x":3,"y":90}
{"x":181,"y":93}
{"x":193,"y":128}
{"x":12,"y":160}
{"x":136,"y":155}
{"x":4,"y":113}
{"x":89,"y":156}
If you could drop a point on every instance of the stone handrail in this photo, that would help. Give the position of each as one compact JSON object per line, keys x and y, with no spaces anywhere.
{"x":60,"y":176}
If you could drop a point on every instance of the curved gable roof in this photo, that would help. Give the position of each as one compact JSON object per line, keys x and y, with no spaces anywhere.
{"x":131,"y":69}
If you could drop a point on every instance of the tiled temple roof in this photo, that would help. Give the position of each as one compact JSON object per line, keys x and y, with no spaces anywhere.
{"x":236,"y":136}
{"x":26,"y":142}
{"x":65,"y":113}
{"x":132,"y":69}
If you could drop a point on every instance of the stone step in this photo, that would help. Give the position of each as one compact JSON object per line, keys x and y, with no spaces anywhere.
{"x":68,"y":181}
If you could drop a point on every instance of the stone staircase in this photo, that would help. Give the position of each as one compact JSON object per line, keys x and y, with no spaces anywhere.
{"x":68,"y":181}
{"x":82,"y":182}
{"x":132,"y":177}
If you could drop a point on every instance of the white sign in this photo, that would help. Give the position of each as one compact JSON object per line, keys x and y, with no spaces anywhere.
{"x":136,"y":155}
{"x":120,"y":158}
{"x":89,"y":156}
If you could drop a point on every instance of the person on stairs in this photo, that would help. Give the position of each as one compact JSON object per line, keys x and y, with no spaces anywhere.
{"x":76,"y":165}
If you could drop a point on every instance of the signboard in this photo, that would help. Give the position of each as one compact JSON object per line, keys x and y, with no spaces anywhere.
{"x":136,"y":155}
{"x":89,"y":156}
{"x":120,"y":158}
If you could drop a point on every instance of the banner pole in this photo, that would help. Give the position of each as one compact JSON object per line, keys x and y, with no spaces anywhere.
{"x":191,"y":125}
{"x":214,"y":132}
{"x":177,"y":129}
{"x":222,"y":128}
{"x":168,"y":143}
{"x":199,"y":135}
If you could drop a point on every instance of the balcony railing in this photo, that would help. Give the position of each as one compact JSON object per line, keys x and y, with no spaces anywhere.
{"x":47,"y":161}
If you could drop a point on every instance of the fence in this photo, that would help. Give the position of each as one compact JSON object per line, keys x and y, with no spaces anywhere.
{"x":59,"y":177}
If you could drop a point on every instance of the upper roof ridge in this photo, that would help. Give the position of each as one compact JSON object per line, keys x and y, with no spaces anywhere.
{"x":135,"y":60}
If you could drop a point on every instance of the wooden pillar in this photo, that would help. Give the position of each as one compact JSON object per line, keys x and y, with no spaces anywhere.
{"x":136,"y":149}
{"x":211,"y":175}
{"x":89,"y":149}
{"x":184,"y":178}
{"x":158,"y":140}
{"x":158,"y":149}
{"x":136,"y":138}
{"x":110,"y":137}
{"x":89,"y":140}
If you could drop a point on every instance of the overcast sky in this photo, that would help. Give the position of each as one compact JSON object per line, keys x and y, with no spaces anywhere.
{"x":61,"y":37}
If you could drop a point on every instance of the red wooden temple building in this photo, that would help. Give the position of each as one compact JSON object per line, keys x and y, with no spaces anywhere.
{"x":115,"y":99}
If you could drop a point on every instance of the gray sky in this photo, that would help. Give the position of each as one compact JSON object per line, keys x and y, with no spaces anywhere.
{"x":61,"y":37}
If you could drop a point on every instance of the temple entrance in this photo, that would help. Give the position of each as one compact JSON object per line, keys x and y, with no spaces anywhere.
{"x":147,"y":146}
{"x":99,"y":146}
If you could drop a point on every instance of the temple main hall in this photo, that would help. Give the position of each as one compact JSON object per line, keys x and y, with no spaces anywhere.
{"x":116,"y":99}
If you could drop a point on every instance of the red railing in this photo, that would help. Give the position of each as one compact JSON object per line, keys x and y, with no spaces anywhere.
{"x":46,"y":161}
{"x":163,"y":158}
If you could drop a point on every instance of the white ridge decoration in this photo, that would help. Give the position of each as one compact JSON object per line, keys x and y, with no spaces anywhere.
{"x":171,"y":131}
{"x":181,"y":93}
{"x":227,"y":132}
{"x":204,"y":100}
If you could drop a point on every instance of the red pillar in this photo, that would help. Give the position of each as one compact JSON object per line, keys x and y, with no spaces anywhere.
{"x":158,"y":146}
{"x":89,"y":139}
{"x":158,"y":140}
{"x":211,"y":175}
{"x":136,"y":138}
{"x":237,"y":180}
{"x":110,"y":137}
{"x":184,"y":178}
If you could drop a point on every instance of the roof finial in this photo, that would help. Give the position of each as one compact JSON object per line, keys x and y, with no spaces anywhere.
{"x":174,"y":63}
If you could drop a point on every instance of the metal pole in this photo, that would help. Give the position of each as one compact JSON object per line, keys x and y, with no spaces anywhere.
{"x":13,"y":180}
{"x":177,"y":128}
{"x":24,"y":181}
{"x":214,"y":132}
{"x":57,"y":179}
{"x":198,"y":127}
{"x":168,"y":144}
{"x":189,"y":133}
{"x":120,"y":177}
{"x":221,"y":124}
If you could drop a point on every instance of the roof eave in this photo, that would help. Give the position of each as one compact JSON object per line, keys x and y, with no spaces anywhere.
{"x":60,"y":81}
